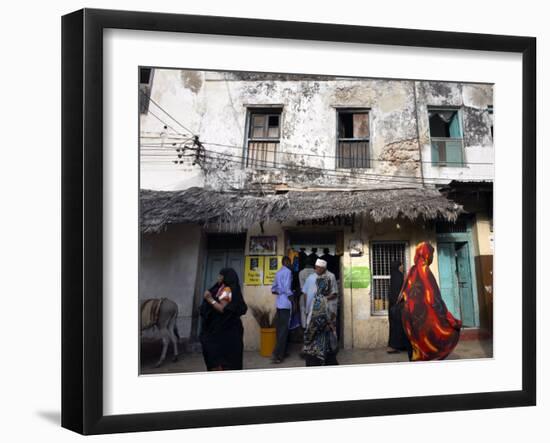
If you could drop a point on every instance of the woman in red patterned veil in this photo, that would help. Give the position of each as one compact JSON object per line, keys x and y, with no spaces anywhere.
{"x":432,"y":330}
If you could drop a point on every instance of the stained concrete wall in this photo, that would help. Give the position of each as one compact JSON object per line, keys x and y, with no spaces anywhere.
{"x":214,"y":106}
{"x":472,"y":102}
{"x":169,"y":262}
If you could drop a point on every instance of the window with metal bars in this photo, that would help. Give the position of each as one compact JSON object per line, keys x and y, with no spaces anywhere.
{"x":383,"y":253}
{"x":460,"y":226}
{"x":353,"y":139}
{"x":264,"y":132}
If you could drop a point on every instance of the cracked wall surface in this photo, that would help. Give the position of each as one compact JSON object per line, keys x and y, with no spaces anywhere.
{"x":213,"y":105}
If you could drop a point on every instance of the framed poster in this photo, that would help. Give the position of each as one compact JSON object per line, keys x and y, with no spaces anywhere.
{"x":254,"y":270}
{"x":271,"y":266}
{"x":163,"y":192}
{"x":263,"y":245}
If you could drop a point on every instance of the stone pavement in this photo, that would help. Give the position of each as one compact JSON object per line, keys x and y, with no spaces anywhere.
{"x":193,"y":362}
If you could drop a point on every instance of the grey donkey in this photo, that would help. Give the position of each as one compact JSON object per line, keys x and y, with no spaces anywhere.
{"x":165,"y":323}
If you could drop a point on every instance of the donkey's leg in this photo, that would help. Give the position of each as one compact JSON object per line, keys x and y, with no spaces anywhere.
{"x":165,"y":338}
{"x":171,"y":328}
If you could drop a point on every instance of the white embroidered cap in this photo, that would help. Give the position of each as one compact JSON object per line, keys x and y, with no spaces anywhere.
{"x":321,"y":263}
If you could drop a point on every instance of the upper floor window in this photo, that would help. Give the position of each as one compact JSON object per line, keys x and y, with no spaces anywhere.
{"x":264,"y":134}
{"x":145,"y":81}
{"x":353,"y":139}
{"x":446,"y":137}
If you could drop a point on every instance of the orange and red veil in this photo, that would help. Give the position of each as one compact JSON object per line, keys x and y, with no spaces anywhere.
{"x":432,"y":330}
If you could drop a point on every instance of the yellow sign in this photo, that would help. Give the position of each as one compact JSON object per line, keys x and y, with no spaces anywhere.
{"x":253,"y":270}
{"x":271,"y":265}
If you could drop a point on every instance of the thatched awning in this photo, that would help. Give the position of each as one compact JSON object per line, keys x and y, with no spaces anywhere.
{"x":237,"y":211}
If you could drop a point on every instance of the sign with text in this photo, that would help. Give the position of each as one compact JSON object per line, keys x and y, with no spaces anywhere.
{"x":357,"y":277}
{"x":253,"y":270}
{"x":271,"y":266}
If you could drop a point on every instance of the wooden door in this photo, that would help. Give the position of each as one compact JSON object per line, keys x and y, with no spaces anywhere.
{"x":447,"y":277}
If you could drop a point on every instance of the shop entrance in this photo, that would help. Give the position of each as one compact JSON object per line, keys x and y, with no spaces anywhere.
{"x":316,"y":245}
{"x":310,"y":245}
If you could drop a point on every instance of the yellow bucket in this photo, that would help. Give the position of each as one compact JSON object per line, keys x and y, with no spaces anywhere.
{"x":268,"y":338}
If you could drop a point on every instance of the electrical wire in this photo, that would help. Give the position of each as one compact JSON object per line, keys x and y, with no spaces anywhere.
{"x":370,"y":159}
{"x":324,"y":171}
{"x":166,"y":112}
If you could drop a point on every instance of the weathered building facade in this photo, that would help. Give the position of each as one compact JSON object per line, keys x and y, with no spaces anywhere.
{"x":366,"y":168}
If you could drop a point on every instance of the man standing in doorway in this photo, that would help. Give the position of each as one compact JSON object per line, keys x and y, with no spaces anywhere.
{"x":282,"y":288}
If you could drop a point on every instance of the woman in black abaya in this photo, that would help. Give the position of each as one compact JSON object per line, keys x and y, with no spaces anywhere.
{"x":222,"y":330}
{"x":397,"y":338}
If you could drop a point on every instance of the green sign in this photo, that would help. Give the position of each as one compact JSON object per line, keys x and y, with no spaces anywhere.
{"x":357,"y":277}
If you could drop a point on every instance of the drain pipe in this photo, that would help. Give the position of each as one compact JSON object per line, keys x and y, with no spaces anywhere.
{"x":351,"y":299}
{"x":418,"y":135}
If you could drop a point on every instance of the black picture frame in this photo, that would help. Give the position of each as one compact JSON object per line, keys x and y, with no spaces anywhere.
{"x":82,"y":218}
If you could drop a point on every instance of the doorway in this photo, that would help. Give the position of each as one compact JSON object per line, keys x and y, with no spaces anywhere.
{"x":327,"y":245}
{"x":456,"y":280}
{"x":223,"y":251}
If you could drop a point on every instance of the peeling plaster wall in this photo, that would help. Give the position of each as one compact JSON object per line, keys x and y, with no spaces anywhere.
{"x":472,"y":101}
{"x":214,"y":106}
{"x":181,"y":94}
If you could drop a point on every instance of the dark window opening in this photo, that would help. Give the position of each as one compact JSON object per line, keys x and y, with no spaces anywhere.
{"x":144,"y":76}
{"x":446,"y":138}
{"x":444,"y":124}
{"x":345,"y":125}
{"x":353,"y":139}
{"x":145,"y":81}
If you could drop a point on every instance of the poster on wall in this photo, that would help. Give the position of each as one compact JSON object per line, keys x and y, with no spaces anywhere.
{"x":253,"y":270}
{"x":263,"y":245}
{"x":357,"y":277}
{"x":271,"y":266}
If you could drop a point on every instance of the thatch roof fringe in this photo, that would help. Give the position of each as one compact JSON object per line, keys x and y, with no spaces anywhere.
{"x":236,"y":212}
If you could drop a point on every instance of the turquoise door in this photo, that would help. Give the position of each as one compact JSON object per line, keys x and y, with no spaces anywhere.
{"x":464,"y":277}
{"x":235,"y":260}
{"x":217,"y":260}
{"x":447,"y":277}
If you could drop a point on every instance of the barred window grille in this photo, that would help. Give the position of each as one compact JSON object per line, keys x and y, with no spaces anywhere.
{"x":353,"y":139}
{"x":382,"y":255}
{"x":264,"y":131}
{"x":460,"y":226}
